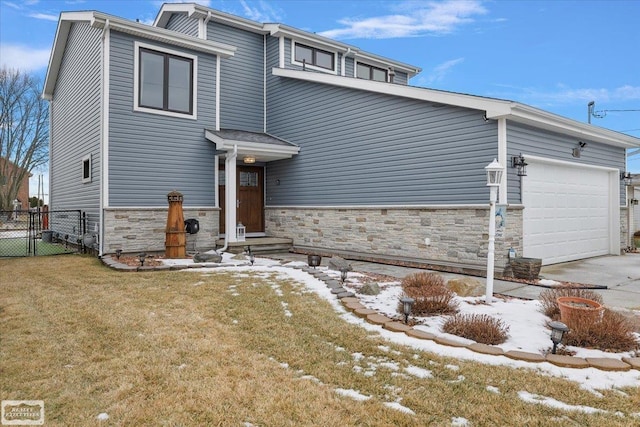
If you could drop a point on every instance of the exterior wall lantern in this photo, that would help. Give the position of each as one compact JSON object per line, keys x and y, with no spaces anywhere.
{"x":494,"y":176}
{"x":241,"y":232}
{"x":518,"y":162}
{"x":558,"y":329}
{"x":626,"y":178}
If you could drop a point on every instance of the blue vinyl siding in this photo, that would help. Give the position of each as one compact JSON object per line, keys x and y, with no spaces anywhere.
{"x":241,"y":78}
{"x":360,"y":148}
{"x":150,"y":154}
{"x":75,"y":132}
{"x":537,"y":142}
{"x":182,"y":23}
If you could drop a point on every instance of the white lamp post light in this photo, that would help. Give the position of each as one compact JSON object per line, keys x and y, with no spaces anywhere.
{"x":494,"y":176}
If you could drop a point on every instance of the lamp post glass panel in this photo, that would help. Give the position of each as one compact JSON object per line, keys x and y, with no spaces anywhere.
{"x":407,"y":303}
{"x":558,"y":329}
{"x":494,"y":176}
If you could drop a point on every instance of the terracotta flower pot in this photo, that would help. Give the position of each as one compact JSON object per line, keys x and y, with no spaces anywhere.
{"x":576,"y":309}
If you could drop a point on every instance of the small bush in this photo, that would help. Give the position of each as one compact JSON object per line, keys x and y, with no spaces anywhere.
{"x":430,"y":294}
{"x":614,"y":333}
{"x":481,"y":328}
{"x":550,"y":305}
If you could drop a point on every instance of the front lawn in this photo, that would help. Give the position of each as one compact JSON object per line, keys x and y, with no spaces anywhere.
{"x":196,"y":348}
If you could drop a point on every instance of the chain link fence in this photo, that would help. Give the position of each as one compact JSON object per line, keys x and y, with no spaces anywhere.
{"x":37,"y":233}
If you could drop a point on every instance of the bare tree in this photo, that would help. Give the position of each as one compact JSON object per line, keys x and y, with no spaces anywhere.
{"x":24,"y":131}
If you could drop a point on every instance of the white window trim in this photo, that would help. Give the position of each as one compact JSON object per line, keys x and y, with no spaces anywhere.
{"x":313,"y":67}
{"x":369,"y":64}
{"x":87,"y":158}
{"x":136,"y":83}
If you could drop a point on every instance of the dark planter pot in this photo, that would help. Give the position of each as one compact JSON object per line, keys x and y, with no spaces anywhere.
{"x":526,"y":268}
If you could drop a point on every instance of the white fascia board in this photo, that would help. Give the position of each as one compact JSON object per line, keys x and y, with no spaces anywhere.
{"x":277,"y":30}
{"x":197,"y":11}
{"x":385,"y":62}
{"x":497,"y":107}
{"x":245,"y":147}
{"x":165,"y":36}
{"x":543,"y":119}
{"x":99,"y":20}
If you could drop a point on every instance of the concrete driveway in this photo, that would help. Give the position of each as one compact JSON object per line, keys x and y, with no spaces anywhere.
{"x":620,"y":274}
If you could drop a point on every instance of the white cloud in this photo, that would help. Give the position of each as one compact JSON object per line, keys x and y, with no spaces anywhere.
{"x":414,"y":18}
{"x":262,"y":13}
{"x":12,"y":5}
{"x":567,"y":95}
{"x":44,"y":16}
{"x":439,"y":73}
{"x":23,"y":57}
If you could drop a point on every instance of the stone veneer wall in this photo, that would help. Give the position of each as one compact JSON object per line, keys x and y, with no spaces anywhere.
{"x":457,"y":235}
{"x":135,"y":230}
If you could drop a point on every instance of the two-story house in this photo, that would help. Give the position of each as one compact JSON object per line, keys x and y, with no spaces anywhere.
{"x":299,"y":136}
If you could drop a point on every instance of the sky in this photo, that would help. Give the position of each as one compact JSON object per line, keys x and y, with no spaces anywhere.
{"x":527,"y":331}
{"x":553,"y":55}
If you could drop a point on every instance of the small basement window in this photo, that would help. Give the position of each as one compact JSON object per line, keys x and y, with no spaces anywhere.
{"x":86,"y":168}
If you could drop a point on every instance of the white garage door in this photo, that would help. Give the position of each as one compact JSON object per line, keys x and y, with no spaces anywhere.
{"x":566,"y":212}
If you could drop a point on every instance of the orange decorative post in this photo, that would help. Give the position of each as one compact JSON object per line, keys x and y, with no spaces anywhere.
{"x":176,"y":241}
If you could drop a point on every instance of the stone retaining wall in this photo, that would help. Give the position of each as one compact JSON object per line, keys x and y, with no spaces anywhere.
{"x":447,"y":234}
{"x":135,"y":230}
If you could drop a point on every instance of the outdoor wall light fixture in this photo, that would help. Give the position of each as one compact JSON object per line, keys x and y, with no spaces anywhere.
{"x":576,"y":151}
{"x":118,"y":253}
{"x":494,"y":176}
{"x":142,"y":256}
{"x":518,"y":162}
{"x":407,"y":304}
{"x":558,"y":329}
{"x":625,"y":177}
{"x":633,"y":202}
{"x":249,"y":159}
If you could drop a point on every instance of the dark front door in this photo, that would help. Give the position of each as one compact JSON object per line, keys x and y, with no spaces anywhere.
{"x":250,"y":198}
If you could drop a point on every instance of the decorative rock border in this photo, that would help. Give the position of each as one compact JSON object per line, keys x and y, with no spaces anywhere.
{"x":353,"y":304}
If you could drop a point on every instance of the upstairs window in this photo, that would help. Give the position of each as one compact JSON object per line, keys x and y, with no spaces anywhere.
{"x":165,"y":82}
{"x":369,"y":72}
{"x":313,"y":57}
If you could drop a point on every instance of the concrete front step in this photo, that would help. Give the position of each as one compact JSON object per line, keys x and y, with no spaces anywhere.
{"x":259,"y":245}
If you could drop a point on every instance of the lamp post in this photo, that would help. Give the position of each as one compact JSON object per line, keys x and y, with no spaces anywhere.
{"x":343,"y":274}
{"x":494,"y":176}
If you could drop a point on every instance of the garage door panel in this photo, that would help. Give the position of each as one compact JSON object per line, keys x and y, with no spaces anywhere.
{"x":566,"y":215}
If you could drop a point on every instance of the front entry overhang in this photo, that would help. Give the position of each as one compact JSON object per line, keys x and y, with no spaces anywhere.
{"x":261,"y":146}
{"x":234,"y":145}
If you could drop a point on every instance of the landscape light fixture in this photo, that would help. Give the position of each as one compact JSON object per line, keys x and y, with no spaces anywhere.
{"x":407,"y":304}
{"x":558,"y":329}
{"x":252,"y":257}
{"x":518,"y":162}
{"x":494,"y":176}
{"x":141,"y":257}
{"x":625,"y":177}
{"x":343,"y":274}
{"x":118,"y":253}
{"x":314,"y":260}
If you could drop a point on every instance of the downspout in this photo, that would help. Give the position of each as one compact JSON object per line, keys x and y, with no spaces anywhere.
{"x":104,"y":143}
{"x":343,"y":62}
{"x":264,"y":84}
{"x":229,"y":225}
{"x":204,"y":25}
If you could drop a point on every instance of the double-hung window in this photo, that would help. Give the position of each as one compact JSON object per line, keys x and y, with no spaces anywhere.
{"x":165,"y":82}
{"x":313,"y":57}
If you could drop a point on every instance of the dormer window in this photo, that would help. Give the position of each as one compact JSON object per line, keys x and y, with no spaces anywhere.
{"x":369,"y":72}
{"x":313,"y":57}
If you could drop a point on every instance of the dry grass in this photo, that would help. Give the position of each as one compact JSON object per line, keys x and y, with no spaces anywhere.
{"x":430,"y":294}
{"x":481,"y":328}
{"x":196,"y":349}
